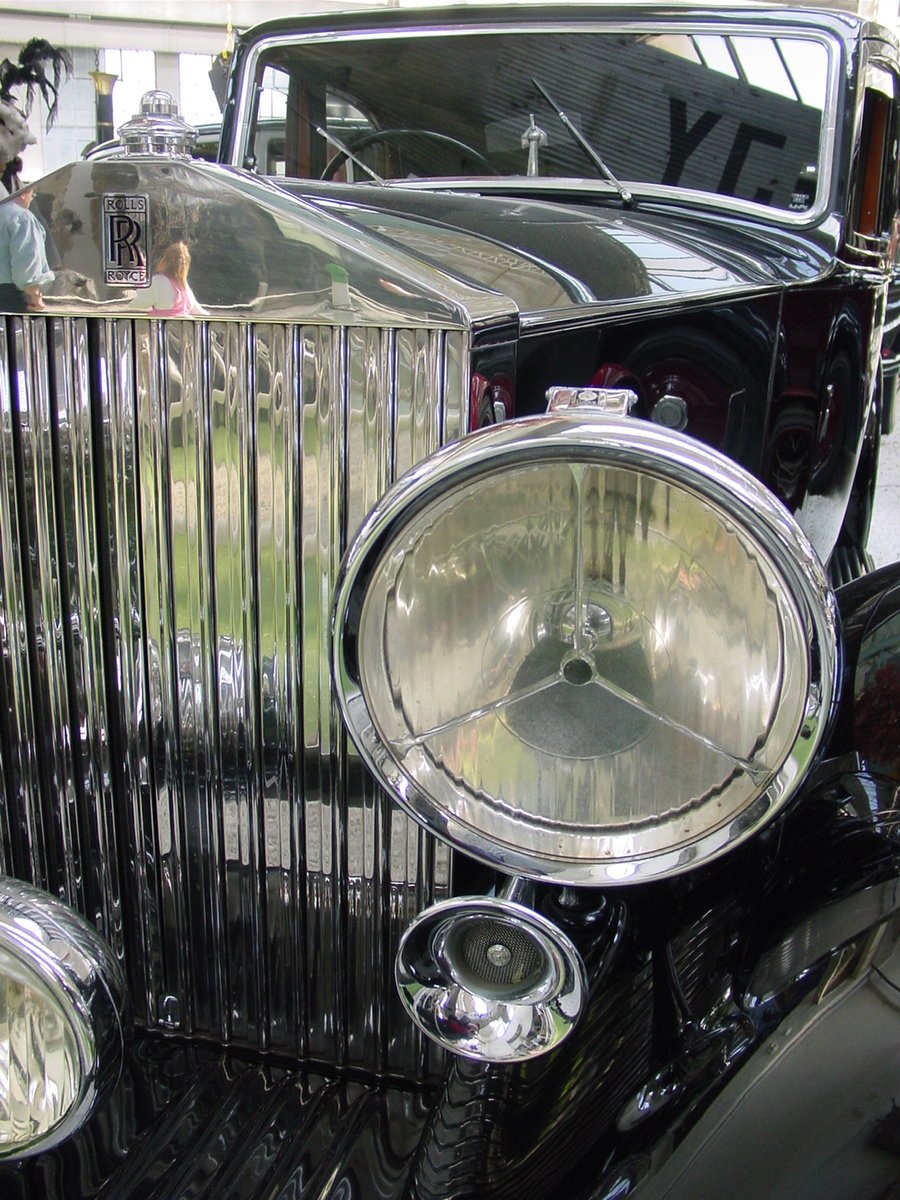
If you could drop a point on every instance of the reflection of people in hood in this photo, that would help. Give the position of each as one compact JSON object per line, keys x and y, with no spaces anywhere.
{"x":23,"y":257}
{"x":29,"y":72}
{"x":169,"y":294}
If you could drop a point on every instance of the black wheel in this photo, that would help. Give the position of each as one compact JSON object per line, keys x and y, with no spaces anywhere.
{"x":383,"y":135}
{"x":708,"y":376}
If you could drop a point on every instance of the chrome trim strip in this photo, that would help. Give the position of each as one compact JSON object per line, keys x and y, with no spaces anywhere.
{"x":40,"y":577}
{"x":201,"y":481}
{"x":75,"y":473}
{"x":18,"y":741}
{"x":321,"y":410}
{"x":271,"y":682}
{"x":372,"y":407}
{"x":116,"y":430}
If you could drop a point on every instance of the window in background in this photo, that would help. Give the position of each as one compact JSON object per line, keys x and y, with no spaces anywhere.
{"x":273,"y":97}
{"x":198,"y":103}
{"x":136,"y":70}
{"x":75,"y":126}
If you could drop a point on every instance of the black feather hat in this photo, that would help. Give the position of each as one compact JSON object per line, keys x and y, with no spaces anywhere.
{"x":40,"y":67}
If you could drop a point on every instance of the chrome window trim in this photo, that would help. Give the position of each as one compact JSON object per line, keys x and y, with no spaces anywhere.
{"x":678,"y":25}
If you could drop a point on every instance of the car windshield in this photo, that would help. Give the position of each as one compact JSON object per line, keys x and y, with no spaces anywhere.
{"x":735,"y":114}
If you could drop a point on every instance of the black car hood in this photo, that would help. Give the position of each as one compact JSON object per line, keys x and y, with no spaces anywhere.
{"x":552,"y":258}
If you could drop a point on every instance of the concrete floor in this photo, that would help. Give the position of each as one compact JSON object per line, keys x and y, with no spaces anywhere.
{"x":884,"y":538}
{"x":799,"y":1122}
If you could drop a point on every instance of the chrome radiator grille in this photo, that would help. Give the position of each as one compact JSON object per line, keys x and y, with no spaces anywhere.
{"x":175,"y":498}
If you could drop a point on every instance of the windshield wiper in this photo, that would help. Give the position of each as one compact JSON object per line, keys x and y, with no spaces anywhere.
{"x":624,"y":195}
{"x":345,"y":150}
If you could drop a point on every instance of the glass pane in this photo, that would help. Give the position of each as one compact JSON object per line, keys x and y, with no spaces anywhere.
{"x":136,"y":71}
{"x":737,"y":116}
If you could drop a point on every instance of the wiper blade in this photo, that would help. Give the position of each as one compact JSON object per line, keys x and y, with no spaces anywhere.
{"x":624,"y":194}
{"x":345,"y":149}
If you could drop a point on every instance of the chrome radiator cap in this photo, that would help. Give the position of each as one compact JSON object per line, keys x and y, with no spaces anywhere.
{"x":158,"y":128}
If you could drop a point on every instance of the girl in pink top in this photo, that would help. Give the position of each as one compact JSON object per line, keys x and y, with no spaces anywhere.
{"x":169,"y":294}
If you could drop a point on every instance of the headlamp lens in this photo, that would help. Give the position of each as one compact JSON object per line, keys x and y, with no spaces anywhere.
{"x":41,"y":1064}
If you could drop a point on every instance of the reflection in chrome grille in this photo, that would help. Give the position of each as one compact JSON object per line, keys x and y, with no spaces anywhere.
{"x":174,"y":501}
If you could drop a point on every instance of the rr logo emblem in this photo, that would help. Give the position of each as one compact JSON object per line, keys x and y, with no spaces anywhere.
{"x":126,"y":240}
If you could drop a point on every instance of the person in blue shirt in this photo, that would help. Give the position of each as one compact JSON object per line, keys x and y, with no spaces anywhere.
{"x":23,"y":256}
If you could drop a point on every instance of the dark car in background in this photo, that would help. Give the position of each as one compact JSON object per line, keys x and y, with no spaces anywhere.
{"x":434,"y":758}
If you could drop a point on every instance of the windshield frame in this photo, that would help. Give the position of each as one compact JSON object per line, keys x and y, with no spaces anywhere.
{"x":560,"y":187}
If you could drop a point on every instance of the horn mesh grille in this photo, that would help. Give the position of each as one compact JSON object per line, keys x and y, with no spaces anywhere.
{"x":474,"y":954}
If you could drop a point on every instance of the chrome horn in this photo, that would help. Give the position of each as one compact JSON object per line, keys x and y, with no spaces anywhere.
{"x":489,"y":978}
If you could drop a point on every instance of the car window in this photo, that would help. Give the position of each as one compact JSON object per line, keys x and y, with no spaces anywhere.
{"x":875,"y":206}
{"x":738,"y":115}
{"x":279,"y":94}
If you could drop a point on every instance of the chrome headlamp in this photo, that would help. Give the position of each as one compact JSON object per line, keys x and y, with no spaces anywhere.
{"x":62,"y":1011}
{"x":585,"y":649}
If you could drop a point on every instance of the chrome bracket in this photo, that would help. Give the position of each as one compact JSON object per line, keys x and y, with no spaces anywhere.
{"x":614,"y":402}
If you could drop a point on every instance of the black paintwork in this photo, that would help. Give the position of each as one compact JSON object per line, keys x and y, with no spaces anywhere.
{"x":690,"y":979}
{"x":588,"y":248}
{"x":772,"y":355}
{"x":777,"y":361}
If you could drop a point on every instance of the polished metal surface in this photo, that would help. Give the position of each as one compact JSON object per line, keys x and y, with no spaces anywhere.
{"x":490,"y":979}
{"x":158,"y":128}
{"x":255,"y":251}
{"x":645,"y":649}
{"x":175,"y":498}
{"x":614,"y":402}
{"x":63,"y":1020}
{"x":191,"y":1120}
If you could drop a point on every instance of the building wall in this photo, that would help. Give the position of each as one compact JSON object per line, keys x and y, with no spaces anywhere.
{"x":75,"y":126}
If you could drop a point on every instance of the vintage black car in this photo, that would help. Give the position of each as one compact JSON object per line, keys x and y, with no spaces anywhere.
{"x":434,"y":759}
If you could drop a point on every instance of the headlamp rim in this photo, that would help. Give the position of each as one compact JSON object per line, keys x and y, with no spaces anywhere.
{"x":669,"y":456}
{"x":85,"y":983}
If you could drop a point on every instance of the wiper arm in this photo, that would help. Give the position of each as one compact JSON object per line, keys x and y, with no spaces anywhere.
{"x":345,"y":149}
{"x":624,"y":195}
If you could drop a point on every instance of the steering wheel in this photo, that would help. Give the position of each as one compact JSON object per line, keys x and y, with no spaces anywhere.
{"x":382,"y":135}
